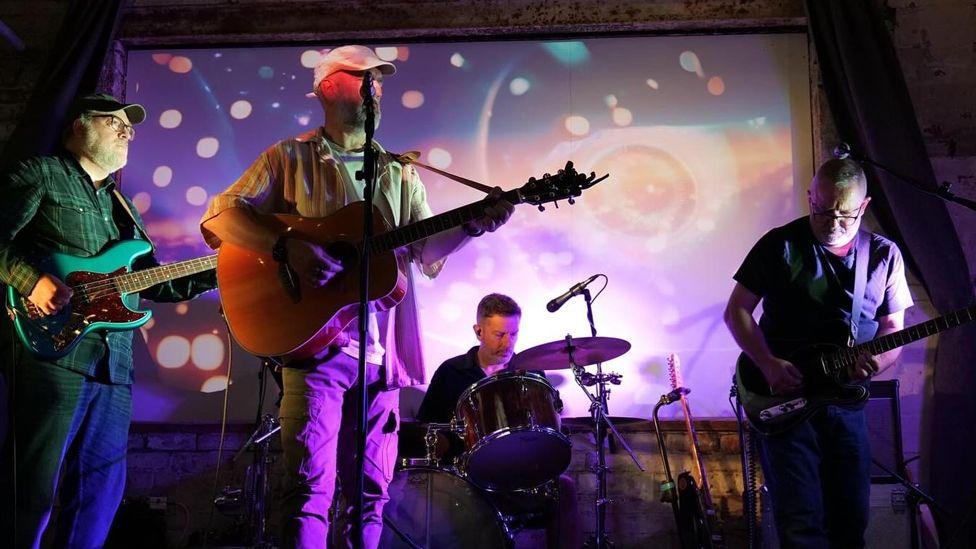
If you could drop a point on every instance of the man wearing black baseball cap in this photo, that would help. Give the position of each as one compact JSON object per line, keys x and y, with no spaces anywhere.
{"x":71,"y":415}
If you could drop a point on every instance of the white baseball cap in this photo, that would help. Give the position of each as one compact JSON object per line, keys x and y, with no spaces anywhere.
{"x":356,"y":58}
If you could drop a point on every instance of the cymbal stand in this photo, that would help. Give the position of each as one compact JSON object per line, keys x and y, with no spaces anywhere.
{"x":598,"y":410}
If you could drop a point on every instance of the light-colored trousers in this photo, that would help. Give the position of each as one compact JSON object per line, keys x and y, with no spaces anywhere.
{"x":318,"y":438}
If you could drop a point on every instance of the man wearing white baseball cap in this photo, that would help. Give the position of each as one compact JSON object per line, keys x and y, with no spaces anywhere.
{"x":314,"y":175}
{"x":71,"y":414}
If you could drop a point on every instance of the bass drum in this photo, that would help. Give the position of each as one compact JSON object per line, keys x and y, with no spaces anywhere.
{"x":434,"y":508}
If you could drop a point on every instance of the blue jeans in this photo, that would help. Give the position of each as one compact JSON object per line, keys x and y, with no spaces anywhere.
{"x":818,"y":475}
{"x":65,"y":419}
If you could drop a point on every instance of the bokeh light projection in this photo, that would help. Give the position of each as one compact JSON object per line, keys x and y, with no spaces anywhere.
{"x":706,"y":140}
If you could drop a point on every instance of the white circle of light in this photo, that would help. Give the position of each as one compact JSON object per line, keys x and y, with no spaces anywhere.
{"x":162,"y":176}
{"x":173,"y":351}
{"x":170,"y":118}
{"x":214,"y":384}
{"x":207,"y":147}
{"x":519,"y":86}
{"x":439,"y":158}
{"x":577,"y":125}
{"x":240,"y":109}
{"x":207,"y":352}
{"x":196,"y":196}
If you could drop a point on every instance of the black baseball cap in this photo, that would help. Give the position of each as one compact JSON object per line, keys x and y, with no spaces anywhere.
{"x":103,"y":103}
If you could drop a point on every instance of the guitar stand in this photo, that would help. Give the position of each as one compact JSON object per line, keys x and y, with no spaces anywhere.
{"x":692,"y":532}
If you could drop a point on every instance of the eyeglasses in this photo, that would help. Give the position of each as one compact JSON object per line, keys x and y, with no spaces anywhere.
{"x":845,"y":219}
{"x":118,"y":125}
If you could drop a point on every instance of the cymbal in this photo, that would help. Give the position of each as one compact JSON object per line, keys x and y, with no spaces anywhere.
{"x":555,"y":354}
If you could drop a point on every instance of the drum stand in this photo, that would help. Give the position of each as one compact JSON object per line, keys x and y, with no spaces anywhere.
{"x":598,"y":410}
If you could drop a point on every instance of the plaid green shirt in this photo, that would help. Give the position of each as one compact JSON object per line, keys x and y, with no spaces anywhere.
{"x":50,"y":204}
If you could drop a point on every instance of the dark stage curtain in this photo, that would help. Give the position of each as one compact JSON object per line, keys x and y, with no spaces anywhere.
{"x":74,"y":68}
{"x":873,"y":112}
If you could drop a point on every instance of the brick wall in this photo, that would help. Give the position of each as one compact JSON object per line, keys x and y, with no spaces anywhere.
{"x":178,"y":462}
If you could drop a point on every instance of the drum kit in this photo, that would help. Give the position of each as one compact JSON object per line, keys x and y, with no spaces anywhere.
{"x":514,"y":449}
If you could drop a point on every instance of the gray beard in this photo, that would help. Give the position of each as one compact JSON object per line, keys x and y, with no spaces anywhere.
{"x":357,"y":119}
{"x":107,"y":156}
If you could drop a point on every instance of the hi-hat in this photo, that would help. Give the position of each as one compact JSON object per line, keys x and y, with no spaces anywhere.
{"x":555,"y":354}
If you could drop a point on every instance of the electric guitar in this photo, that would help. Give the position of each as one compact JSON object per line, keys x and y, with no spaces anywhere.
{"x":697,"y":521}
{"x":105,"y":296}
{"x":824,"y":368}
{"x":271,"y":312}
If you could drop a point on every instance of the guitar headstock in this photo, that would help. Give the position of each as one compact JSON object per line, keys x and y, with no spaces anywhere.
{"x":674,"y":371}
{"x":567,"y":184}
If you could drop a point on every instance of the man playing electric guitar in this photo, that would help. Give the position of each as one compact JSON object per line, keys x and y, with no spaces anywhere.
{"x":314,"y":175}
{"x":71,"y":414}
{"x":805,"y":273}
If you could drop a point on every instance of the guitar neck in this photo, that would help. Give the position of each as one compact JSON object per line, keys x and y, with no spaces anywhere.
{"x":141,"y":280}
{"x":897,"y":339}
{"x":408,"y":234}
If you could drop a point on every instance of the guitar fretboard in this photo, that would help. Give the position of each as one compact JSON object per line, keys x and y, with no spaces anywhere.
{"x":885,"y":343}
{"x":140,"y":280}
{"x":420,"y":230}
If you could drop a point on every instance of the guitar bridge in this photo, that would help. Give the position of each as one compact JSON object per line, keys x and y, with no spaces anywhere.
{"x":787,"y":407}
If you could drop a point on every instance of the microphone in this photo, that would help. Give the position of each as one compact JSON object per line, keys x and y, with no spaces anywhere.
{"x":366,"y":92}
{"x":576,"y":290}
{"x":843,"y":151}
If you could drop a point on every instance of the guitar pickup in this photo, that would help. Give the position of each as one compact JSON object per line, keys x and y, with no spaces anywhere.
{"x":787,"y":407}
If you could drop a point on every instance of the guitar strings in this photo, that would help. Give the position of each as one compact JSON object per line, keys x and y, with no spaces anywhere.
{"x":107,"y":287}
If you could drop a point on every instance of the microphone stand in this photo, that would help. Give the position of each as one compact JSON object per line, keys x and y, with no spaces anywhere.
{"x":845,"y":151}
{"x":598,"y":410}
{"x":368,"y":176}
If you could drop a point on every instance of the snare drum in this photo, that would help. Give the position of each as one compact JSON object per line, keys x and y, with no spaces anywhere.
{"x":431,"y":507}
{"x":511,"y":432}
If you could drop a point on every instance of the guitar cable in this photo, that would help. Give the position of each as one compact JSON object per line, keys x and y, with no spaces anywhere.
{"x":12,"y":422}
{"x":749,"y":472}
{"x":223,"y":432}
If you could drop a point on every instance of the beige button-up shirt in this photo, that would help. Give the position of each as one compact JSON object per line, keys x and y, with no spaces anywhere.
{"x":304,"y":176}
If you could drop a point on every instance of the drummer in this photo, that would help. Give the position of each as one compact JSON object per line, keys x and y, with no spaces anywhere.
{"x":496,"y":329}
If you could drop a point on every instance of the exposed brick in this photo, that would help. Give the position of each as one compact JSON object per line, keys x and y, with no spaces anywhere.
{"x":172,"y":441}
{"x":730,"y":443}
{"x":211,"y":441}
{"x":137,"y":441}
{"x":149,"y":461}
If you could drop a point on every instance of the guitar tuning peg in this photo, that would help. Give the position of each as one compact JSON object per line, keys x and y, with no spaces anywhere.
{"x":542,"y":208}
{"x":571,"y":201}
{"x":556,"y":204}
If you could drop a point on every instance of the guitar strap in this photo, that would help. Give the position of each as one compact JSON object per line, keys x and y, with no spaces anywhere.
{"x":135,"y":224}
{"x":861,"y":258}
{"x":410,"y":157}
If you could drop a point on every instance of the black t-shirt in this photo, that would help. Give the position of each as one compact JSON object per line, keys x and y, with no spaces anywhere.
{"x":449,"y":381}
{"x":807,"y":291}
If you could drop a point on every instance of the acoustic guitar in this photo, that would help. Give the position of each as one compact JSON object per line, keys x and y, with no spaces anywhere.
{"x":272,"y":313}
{"x":824,"y":368}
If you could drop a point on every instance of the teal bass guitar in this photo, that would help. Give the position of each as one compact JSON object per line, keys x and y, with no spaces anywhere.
{"x":105,"y":296}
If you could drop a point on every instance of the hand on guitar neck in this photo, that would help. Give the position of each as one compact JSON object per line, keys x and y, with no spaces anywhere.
{"x":497,"y":212}
{"x":50,"y":295}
